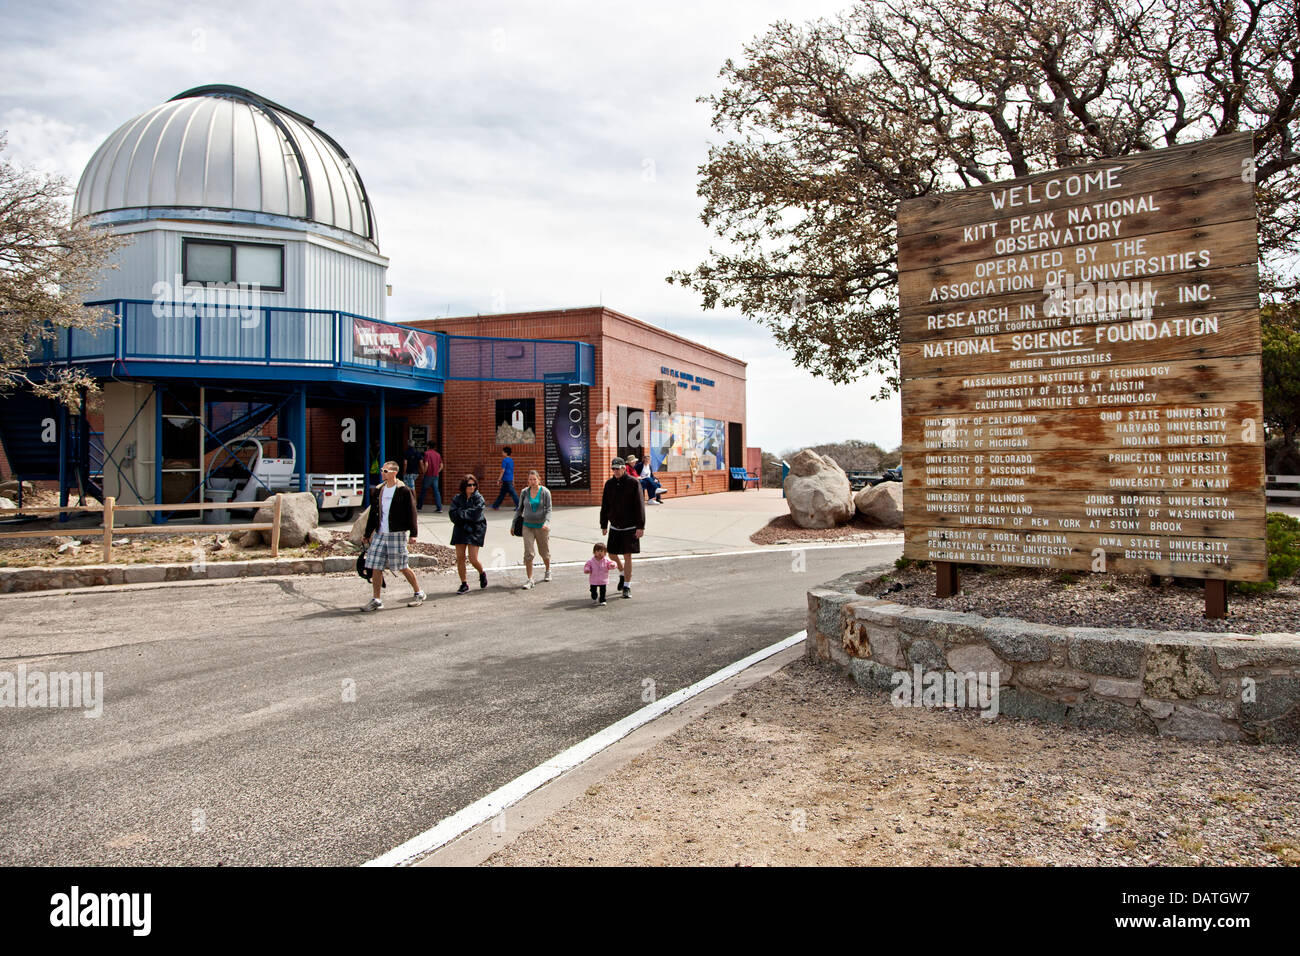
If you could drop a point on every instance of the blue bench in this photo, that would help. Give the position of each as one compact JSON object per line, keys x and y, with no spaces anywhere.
{"x":740,"y":474}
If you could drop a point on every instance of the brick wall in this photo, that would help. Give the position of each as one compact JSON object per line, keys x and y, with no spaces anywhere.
{"x":326,"y":451}
{"x":629,"y":356}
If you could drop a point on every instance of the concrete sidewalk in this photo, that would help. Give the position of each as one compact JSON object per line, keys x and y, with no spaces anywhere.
{"x":706,"y":524}
{"x":696,"y":525}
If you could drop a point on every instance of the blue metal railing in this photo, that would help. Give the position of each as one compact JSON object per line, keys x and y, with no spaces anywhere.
{"x":205,"y":333}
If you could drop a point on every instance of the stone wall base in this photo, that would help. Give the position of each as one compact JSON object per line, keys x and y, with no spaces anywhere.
{"x":15,"y":580}
{"x":1192,"y":685}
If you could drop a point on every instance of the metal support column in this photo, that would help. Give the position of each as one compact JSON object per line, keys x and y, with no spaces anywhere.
{"x":63,"y":424}
{"x":158,"y":392}
{"x":300,"y":436}
{"x":383,"y":428}
{"x":365,"y":447}
{"x":83,"y":450}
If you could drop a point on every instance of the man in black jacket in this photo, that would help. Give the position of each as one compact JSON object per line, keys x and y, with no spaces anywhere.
{"x":622,"y":509}
{"x":392,"y":518}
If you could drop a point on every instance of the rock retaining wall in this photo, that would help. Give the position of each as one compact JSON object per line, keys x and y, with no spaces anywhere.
{"x":13,"y":580}
{"x":1198,"y":686}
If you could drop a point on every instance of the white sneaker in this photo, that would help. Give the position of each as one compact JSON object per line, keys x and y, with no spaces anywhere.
{"x":547,"y":576}
{"x":416,"y":599}
{"x":374,"y":605}
{"x":528,"y":585}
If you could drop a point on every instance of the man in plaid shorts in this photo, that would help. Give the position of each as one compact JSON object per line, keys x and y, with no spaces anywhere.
{"x":392,"y":518}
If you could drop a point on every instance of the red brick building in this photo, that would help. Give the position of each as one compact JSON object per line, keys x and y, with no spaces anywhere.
{"x":659,"y":395}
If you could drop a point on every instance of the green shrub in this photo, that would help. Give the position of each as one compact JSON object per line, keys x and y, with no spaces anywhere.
{"x":1283,"y":542}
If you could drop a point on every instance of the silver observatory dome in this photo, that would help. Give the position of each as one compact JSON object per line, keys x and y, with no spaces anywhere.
{"x":222,"y":153}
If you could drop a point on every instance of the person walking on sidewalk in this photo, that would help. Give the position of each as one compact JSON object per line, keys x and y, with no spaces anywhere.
{"x":535,"y":511}
{"x":597,"y":570}
{"x":507,"y":481}
{"x":469,"y":528}
{"x":622,"y":509}
{"x":431,"y":469}
{"x":392,"y":519}
{"x":412,"y":460}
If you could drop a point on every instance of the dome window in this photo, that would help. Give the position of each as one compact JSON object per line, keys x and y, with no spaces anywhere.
{"x":209,"y":262}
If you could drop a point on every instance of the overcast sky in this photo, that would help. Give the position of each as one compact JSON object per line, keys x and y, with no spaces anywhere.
{"x":520,"y":155}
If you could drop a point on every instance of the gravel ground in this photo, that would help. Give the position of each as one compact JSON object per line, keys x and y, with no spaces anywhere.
{"x":808,"y":768}
{"x":1091,"y":600}
{"x":783,"y":530}
{"x":175,"y":549}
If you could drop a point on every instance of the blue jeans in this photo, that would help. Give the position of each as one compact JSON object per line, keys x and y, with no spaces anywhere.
{"x":409,"y":479}
{"x":507,"y":488}
{"x":437,"y":491}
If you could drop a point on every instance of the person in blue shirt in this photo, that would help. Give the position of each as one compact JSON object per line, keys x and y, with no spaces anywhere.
{"x":507,"y":481}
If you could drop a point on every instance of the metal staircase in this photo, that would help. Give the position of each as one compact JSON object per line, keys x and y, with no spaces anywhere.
{"x":30,"y":427}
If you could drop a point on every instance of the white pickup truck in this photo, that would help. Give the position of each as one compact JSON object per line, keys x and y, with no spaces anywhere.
{"x":256,"y":468}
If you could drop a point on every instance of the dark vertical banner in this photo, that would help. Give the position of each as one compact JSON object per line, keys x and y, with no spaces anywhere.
{"x":568,"y":436}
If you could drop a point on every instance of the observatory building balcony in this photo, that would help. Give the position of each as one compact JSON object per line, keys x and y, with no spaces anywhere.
{"x":148,"y":339}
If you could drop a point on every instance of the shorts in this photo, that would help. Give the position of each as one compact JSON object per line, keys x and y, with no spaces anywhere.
{"x":542,"y":538}
{"x":623,"y":542}
{"x":387,"y":552}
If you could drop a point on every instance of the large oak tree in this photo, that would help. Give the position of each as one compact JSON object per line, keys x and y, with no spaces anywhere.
{"x":830,"y":125}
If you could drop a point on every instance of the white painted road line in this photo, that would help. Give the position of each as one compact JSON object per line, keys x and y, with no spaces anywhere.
{"x":643,"y":559}
{"x":650,"y":559}
{"x":485,"y":809}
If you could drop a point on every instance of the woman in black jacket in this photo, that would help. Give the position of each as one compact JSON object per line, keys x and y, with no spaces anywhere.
{"x":469,"y":529}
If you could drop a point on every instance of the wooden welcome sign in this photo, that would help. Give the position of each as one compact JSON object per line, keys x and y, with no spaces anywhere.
{"x":1081,"y":368}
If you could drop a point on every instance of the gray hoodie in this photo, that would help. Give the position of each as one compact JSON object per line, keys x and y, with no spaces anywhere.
{"x":542,"y":513}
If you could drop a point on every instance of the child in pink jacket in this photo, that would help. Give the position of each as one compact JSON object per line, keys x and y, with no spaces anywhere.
{"x":597,"y":570}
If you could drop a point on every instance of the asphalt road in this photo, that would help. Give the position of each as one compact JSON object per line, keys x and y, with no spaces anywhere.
{"x":228,"y":736}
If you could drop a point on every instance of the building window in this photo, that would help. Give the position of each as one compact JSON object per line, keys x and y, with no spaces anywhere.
{"x":244,"y":263}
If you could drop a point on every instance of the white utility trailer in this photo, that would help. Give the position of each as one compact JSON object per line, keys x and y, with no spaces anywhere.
{"x":338,"y":495}
{"x":256,"y":468}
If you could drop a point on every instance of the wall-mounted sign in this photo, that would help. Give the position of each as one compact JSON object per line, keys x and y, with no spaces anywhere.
{"x":567,"y":422}
{"x":378,"y":341}
{"x":686,"y":379}
{"x":1081,"y":368}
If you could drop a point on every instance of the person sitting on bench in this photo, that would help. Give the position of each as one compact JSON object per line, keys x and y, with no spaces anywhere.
{"x":641,"y":471}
